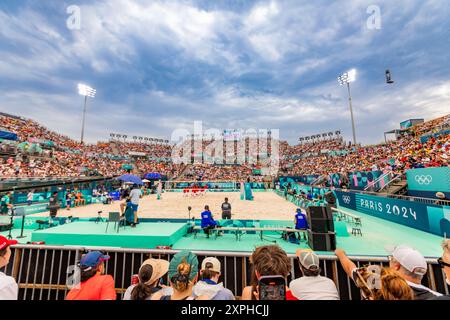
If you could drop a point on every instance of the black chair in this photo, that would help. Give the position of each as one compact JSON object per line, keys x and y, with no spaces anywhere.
{"x":41,"y":224}
{"x":117,"y":219}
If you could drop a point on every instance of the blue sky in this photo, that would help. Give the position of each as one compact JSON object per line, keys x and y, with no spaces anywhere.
{"x":161,"y":65}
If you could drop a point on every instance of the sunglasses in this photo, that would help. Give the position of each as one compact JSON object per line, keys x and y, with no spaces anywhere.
{"x":443,"y":264}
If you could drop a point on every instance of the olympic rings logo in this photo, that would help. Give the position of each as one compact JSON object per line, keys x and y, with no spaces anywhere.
{"x":422,"y":179}
{"x":346,"y":199}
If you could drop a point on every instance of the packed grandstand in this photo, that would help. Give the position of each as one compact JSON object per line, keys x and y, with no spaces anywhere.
{"x":41,"y":152}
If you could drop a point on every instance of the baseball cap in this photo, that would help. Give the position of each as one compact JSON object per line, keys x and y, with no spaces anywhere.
{"x":309,"y":260}
{"x":440,"y":195}
{"x":183,"y":256}
{"x":4,"y":242}
{"x":159,"y":266}
{"x":92,"y":259}
{"x":215,"y":264}
{"x":411,"y":259}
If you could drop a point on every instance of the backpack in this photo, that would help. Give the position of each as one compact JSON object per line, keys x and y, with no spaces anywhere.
{"x":290,"y":237}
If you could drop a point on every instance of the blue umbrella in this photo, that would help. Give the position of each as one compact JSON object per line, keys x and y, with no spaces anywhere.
{"x":130,"y":178}
{"x":152,"y":176}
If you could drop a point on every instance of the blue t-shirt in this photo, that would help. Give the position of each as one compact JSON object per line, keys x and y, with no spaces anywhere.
{"x":302,"y":223}
{"x":207,"y":219}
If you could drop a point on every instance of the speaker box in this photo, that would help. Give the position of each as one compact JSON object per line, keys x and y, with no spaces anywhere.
{"x":320,"y":219}
{"x":319,"y":213}
{"x":322,"y":241}
{"x":321,"y":225}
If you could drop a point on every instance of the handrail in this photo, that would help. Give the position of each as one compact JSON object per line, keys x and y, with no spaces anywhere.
{"x":382,"y":258}
{"x":378,"y":180}
{"x":390,"y":181}
{"x":315,"y":181}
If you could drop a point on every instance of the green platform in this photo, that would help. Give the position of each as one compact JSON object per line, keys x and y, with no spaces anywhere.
{"x":376,"y":234}
{"x":145,"y":235}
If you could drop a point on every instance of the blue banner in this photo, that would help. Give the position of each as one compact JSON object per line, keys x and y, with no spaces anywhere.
{"x":8,"y":135}
{"x":429,"y":179}
{"x":429,"y":218}
{"x":307,"y":179}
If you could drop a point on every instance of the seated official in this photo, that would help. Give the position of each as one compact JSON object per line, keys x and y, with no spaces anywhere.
{"x":300,"y":220}
{"x":208,"y":221}
{"x":301,"y":223}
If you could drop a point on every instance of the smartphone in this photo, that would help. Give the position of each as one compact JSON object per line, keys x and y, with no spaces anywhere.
{"x":272,"y":288}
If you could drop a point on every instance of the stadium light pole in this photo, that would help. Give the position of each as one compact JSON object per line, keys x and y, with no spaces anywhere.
{"x":85,"y":91}
{"x":343,"y":79}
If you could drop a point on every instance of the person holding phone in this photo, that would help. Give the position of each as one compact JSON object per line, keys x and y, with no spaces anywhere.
{"x":270,"y":268}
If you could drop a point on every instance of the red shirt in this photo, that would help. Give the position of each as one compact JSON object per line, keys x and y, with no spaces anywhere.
{"x":96,"y":288}
{"x":290,"y":296}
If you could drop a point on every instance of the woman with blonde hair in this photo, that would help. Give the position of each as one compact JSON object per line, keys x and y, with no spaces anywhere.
{"x":378,"y":283}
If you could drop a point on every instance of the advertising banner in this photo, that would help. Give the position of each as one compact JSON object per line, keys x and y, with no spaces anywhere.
{"x":429,"y":179}
{"x":429,"y":218}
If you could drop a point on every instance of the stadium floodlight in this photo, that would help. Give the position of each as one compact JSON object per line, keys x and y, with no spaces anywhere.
{"x":343,"y":79}
{"x":85,"y":91}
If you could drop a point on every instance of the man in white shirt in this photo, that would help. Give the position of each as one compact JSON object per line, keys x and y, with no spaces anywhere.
{"x":9,"y":289}
{"x":30,"y":196}
{"x":312,"y":286}
{"x":135,"y":195}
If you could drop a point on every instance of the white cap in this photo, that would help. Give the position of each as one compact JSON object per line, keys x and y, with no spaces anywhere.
{"x":410,"y":259}
{"x":214,"y":262}
{"x":309,"y":260}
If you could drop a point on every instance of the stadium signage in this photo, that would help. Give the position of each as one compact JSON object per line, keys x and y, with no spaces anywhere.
{"x":377,"y":206}
{"x":425,"y":217}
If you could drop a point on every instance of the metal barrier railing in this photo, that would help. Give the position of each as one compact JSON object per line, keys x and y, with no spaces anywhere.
{"x":41,"y":271}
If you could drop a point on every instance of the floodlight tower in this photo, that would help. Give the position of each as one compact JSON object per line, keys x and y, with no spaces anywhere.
{"x":85,"y":91}
{"x":343,"y":79}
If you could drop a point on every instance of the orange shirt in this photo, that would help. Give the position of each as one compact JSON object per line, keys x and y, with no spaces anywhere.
{"x":96,"y":288}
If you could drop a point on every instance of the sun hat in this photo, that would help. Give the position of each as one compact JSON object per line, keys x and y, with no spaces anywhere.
{"x":159,"y":266}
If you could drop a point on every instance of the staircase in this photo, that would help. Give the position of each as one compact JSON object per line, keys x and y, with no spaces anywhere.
{"x":397,"y":186}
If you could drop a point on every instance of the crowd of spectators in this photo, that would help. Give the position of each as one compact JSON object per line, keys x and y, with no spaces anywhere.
{"x":405,"y":153}
{"x":400,"y":280}
{"x":63,"y":156}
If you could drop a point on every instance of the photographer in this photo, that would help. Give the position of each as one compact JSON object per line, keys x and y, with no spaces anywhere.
{"x":267,"y":261}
